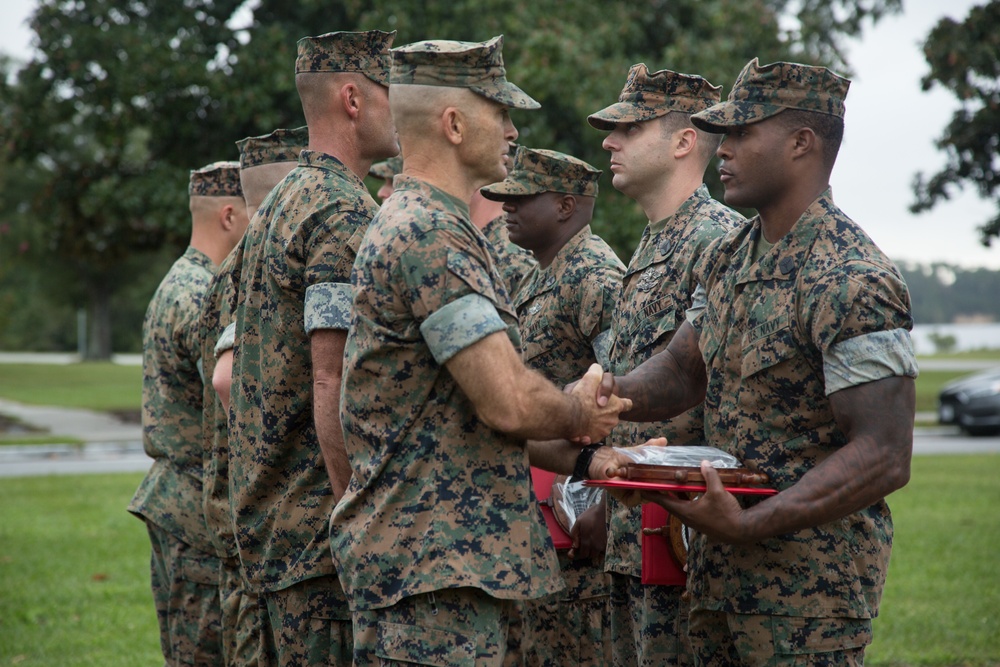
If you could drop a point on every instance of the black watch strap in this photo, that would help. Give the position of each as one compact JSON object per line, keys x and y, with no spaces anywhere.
{"x":583,"y":459}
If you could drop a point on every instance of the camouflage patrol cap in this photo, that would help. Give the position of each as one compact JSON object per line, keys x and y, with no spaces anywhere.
{"x":477,"y":66}
{"x":537,"y":170}
{"x":219,"y":179}
{"x":365,"y":52}
{"x":386,"y":169}
{"x":761,"y":92}
{"x":647,"y":96}
{"x":279,"y":146}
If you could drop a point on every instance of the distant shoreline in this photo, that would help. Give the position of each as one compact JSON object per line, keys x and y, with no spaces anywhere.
{"x":968,"y":336}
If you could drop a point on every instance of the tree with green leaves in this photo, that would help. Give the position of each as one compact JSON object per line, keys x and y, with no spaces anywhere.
{"x":106,"y":121}
{"x":964,"y":58}
{"x":122,"y":99}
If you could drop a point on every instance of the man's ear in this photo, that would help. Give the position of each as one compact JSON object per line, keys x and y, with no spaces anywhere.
{"x":226,"y":217}
{"x":685,"y":141}
{"x":350,"y":99}
{"x":454,"y":125}
{"x":565,"y":207}
{"x":804,"y":141}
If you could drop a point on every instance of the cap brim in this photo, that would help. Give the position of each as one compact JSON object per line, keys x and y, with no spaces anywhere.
{"x":720,"y":117}
{"x":508,"y":95}
{"x":381,"y":77}
{"x":623,"y":112}
{"x":508,"y":190}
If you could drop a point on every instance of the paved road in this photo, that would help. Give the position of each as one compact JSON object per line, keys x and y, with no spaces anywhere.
{"x":33,"y":460}
{"x":110,"y":444}
{"x":62,"y":358}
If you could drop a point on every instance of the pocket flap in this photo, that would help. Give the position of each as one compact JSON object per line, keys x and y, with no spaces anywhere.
{"x":769,"y":351}
{"x":479,"y":280}
{"x":199,"y":570}
{"x":425,"y":646}
{"x":650,"y":330}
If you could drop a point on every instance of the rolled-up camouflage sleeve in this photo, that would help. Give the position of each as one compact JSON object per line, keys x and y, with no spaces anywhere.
{"x":699,"y":299}
{"x":459,"y":324}
{"x":602,"y":348}
{"x":328,"y":306}
{"x":227,"y":340}
{"x":869,"y":357}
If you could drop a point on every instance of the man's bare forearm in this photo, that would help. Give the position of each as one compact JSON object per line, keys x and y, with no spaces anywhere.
{"x":513,"y":399}
{"x":222,"y":379}
{"x":668,"y":383}
{"x":558,"y":456}
{"x":327,"y":351}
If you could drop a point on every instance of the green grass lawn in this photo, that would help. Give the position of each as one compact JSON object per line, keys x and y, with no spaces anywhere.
{"x":75,"y":582}
{"x":74,"y":574}
{"x":941,"y":600}
{"x":92,"y":385}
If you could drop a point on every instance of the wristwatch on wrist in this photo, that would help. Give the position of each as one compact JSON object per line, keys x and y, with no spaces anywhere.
{"x":582,"y":468}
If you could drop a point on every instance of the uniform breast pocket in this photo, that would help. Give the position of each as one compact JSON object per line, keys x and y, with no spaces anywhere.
{"x":653,"y":334}
{"x":537,"y":346}
{"x":769,"y":352}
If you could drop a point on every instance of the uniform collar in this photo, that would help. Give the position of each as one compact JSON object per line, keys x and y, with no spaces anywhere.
{"x":688,"y":208}
{"x":792,"y":250}
{"x":409,"y":183}
{"x":321,"y":160}
{"x":545,"y":279}
{"x":198,"y":258}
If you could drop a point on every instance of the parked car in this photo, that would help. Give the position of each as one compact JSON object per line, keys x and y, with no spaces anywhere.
{"x":972,"y":403}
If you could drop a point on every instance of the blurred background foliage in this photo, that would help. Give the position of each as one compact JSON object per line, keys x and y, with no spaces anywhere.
{"x":123,"y":97}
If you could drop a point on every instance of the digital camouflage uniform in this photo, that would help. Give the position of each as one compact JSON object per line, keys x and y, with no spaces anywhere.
{"x":437,"y":500}
{"x":240,"y":612}
{"x":184,"y":566}
{"x":649,"y":622}
{"x":564,"y":313}
{"x":820,"y":311}
{"x":766,"y":352}
{"x":305,"y":235}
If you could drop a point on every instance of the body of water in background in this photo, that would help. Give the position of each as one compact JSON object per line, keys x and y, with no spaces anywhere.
{"x":967,"y":336}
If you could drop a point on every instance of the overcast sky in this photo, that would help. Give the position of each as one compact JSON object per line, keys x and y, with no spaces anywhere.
{"x":891,"y":129}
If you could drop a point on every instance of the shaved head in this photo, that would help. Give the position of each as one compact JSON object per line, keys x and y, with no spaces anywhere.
{"x":415,"y":108}
{"x":259,"y":180}
{"x":205,"y":209}
{"x":318,"y":90}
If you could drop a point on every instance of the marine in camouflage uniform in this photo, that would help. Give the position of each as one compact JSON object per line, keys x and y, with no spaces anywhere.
{"x":564,"y":308}
{"x":263,"y":162}
{"x":805,"y":351}
{"x":649,"y":621}
{"x":184,"y":565}
{"x":297,"y":258}
{"x":438,"y":530}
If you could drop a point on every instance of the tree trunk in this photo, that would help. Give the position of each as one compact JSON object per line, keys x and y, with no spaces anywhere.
{"x":99,"y":344}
